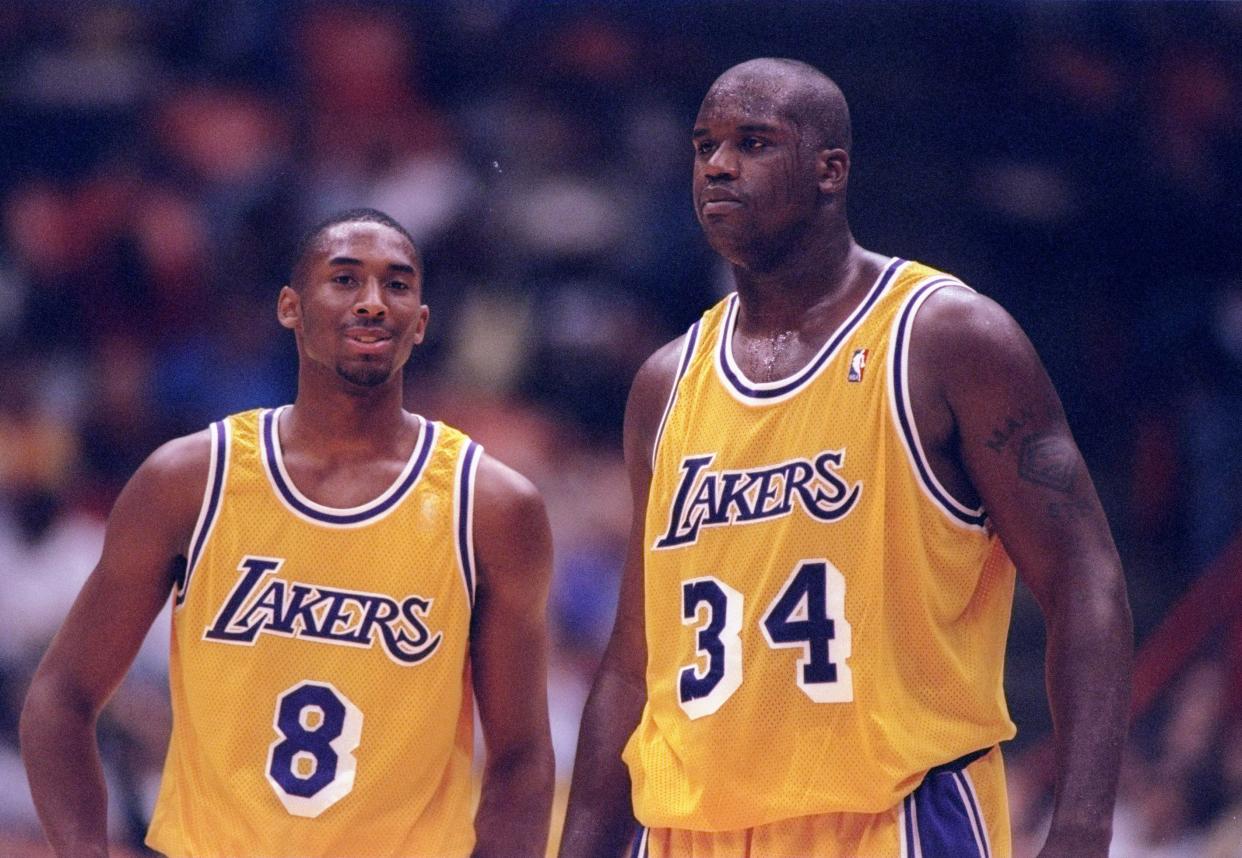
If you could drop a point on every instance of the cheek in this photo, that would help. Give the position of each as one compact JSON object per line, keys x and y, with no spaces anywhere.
{"x":787,"y":181}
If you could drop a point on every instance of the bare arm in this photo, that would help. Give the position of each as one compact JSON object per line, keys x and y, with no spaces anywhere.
{"x":509,"y":662}
{"x":147,"y":532}
{"x":600,"y":821}
{"x":1015,"y":447}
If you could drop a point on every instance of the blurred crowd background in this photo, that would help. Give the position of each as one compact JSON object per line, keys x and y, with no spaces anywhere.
{"x":1079,"y":162}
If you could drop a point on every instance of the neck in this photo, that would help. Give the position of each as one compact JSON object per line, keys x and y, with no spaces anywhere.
{"x":332,"y":413}
{"x":806,"y":281}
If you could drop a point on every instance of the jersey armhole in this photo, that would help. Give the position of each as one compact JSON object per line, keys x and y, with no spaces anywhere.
{"x":903,"y":411}
{"x":463,"y":514}
{"x":210,"y":509}
{"x":683,"y":364}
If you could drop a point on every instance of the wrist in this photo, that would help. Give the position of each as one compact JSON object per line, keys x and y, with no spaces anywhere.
{"x":1087,"y":836}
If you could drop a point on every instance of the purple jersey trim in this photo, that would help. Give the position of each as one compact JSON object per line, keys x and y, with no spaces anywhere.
{"x":951,"y":505}
{"x":465,"y":516}
{"x":377,"y":508}
{"x":692,"y":339}
{"x":219,"y":459}
{"x":747,"y":388}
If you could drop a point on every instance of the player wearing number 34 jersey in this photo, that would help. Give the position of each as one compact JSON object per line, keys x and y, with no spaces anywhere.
{"x":348,"y":579}
{"x":837,"y":473}
{"x":801,"y":578}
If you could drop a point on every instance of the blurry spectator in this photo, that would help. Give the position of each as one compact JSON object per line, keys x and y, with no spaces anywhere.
{"x":373,"y":137}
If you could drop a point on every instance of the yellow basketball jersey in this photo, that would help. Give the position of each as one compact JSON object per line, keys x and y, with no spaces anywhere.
{"x":824,"y":622}
{"x":319,"y":673}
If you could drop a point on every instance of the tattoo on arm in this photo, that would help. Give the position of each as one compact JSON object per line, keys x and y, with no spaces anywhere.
{"x":1001,"y":435}
{"x":1069,"y":509}
{"x":1045,"y":460}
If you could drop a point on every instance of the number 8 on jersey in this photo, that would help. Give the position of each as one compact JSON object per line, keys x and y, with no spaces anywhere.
{"x":311,"y":764}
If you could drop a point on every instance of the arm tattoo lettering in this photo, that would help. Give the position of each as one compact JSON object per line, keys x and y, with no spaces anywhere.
{"x":1046,"y":461}
{"x":1001,"y":434}
{"x":1071,"y":509}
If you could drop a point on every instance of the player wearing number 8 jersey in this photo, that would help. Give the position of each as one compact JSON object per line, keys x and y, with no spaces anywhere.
{"x":347,"y":578}
{"x":831,"y":471}
{"x":313,"y":616}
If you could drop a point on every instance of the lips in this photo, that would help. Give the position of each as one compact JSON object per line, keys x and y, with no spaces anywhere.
{"x":368,"y":341}
{"x":718,"y":201}
{"x":367,"y":335}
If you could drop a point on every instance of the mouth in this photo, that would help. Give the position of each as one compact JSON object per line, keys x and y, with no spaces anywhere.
{"x":718,"y":207}
{"x":718,"y":201}
{"x":368,"y":340}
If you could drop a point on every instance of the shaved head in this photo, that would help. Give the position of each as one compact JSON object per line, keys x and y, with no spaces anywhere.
{"x":797,"y":91}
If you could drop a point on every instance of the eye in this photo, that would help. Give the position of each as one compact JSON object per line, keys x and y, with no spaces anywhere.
{"x":704,"y":147}
{"x":399,"y":285}
{"x":343,"y":279}
{"x":753,"y":144}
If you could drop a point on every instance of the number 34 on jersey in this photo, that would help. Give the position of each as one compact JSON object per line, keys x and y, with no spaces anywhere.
{"x":807,"y":615}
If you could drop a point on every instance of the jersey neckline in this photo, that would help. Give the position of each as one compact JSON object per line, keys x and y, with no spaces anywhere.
{"x":292,"y":497}
{"x":764,"y":392}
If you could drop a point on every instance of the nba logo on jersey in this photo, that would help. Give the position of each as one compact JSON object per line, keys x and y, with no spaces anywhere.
{"x":858,"y":363}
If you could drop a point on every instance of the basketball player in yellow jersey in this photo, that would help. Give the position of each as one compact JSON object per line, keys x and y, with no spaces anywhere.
{"x":831,"y":473}
{"x":346,"y":577}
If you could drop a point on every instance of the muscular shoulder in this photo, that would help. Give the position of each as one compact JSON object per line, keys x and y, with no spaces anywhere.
{"x":653,"y":384}
{"x":174,"y":477}
{"x":511,"y":531}
{"x":155,"y":514}
{"x":504,"y":499}
{"x":960,"y":337}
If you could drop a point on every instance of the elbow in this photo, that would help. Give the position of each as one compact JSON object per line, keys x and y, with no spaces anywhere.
{"x":533,"y":765}
{"x":1111,"y":608}
{"x":1098,"y":611}
{"x":49,"y":702}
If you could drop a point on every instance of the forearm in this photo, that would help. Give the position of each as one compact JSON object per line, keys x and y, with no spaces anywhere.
{"x":515,"y":805}
{"x":1090,"y":649}
{"x":600,"y":820}
{"x":65,"y":774}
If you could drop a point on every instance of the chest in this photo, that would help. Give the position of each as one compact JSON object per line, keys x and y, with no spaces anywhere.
{"x":343,"y":482}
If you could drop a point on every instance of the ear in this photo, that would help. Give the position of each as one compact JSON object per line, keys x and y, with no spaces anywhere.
{"x":289,"y":308}
{"x":832,"y":169}
{"x":420,"y":327}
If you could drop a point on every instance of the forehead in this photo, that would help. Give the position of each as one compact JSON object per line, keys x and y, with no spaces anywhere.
{"x":366,"y":242}
{"x":746,"y":99}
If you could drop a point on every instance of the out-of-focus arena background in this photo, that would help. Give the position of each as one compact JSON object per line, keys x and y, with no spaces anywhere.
{"x":1079,"y":162}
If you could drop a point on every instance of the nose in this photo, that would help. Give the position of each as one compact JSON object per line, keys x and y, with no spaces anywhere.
{"x":723,"y":164}
{"x":370,"y":300}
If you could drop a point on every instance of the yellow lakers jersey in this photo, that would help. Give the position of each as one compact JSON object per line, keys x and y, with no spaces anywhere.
{"x":319,"y":672}
{"x":824,"y":621}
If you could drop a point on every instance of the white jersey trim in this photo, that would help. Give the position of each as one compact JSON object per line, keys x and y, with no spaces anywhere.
{"x":974,"y":518}
{"x":970,"y":800}
{"x":750,"y":392}
{"x":683,"y":364}
{"x":463,"y":516}
{"x":209,"y":511}
{"x":308,"y":510}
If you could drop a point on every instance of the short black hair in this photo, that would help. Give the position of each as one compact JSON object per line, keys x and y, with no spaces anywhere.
{"x":358,"y":215}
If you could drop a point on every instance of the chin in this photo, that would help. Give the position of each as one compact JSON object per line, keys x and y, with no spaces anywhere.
{"x":365,"y":375}
{"x":734,"y":251}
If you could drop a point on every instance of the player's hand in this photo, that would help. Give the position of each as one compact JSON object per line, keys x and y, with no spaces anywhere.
{"x":1077,"y":844}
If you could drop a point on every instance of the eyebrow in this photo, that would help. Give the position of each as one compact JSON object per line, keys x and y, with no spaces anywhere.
{"x":392,"y":266}
{"x":747,"y":128}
